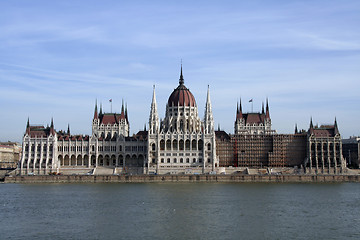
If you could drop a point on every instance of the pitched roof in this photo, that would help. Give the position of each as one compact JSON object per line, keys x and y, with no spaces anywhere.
{"x":111,"y":118}
{"x":222,"y":135}
{"x":252,"y":118}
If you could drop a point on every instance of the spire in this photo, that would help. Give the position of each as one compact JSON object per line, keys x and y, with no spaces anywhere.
{"x":100,"y":108}
{"x":126,"y":114}
{"x":52,"y":131}
{"x":336,"y":130}
{"x":28,"y":126}
{"x":209,"y":120}
{"x":262,"y":108}
{"x":239,"y":115}
{"x":154,"y":118}
{"x":208,"y":96}
{"x":68,"y":130}
{"x":296,"y":128}
{"x":240,"y":107}
{"x":122,"y":106}
{"x":181,"y":80}
{"x":95,"y":111}
{"x":311,"y":129}
{"x":144,"y":126}
{"x":267,"y":109}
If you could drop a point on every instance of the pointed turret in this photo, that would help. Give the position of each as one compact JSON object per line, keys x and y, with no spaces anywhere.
{"x":126,"y":112}
{"x":95,"y":111}
{"x":240,"y":115}
{"x":154,"y":118}
{"x":122,"y":107}
{"x":311,"y":129}
{"x":68,"y":130}
{"x":101,"y":109}
{"x":296,"y":128}
{"x":52,"y":130}
{"x":267,"y":109}
{"x":336,"y":130}
{"x":209,"y":120}
{"x":181,"y":80}
{"x":28,"y":126}
{"x":262,"y":108}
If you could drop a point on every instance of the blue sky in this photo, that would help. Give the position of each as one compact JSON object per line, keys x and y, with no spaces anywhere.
{"x":58,"y":57}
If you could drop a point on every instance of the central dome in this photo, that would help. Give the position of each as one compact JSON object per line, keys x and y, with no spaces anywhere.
{"x":181,"y":96}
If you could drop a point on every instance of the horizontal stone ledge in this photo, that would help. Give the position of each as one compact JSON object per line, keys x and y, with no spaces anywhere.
{"x":183,"y":178}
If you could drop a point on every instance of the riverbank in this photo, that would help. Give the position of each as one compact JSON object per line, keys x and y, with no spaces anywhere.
{"x":183,"y":178}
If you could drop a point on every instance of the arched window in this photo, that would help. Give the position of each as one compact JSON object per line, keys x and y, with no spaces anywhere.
{"x":162,"y":145}
{"x":181,"y":144}
{"x":175,"y":145}
{"x":168,"y":145}
{"x":187,"y":144}
{"x":200,"y":144}
{"x":181,"y":125}
{"x":193,"y":145}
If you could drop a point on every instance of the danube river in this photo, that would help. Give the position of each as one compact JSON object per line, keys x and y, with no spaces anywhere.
{"x":180,"y":211}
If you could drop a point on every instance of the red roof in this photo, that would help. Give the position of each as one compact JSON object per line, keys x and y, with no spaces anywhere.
{"x":181,"y":96}
{"x":254,"y":118}
{"x":324,"y":131}
{"x":111,"y":118}
{"x":38,"y":131}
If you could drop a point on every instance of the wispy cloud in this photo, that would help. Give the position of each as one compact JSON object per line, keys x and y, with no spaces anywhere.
{"x":58,"y":57}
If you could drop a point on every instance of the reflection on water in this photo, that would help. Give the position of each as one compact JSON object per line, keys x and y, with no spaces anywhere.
{"x":180,"y":211}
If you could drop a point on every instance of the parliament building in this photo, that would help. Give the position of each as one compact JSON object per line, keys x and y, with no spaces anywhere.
{"x":180,"y":143}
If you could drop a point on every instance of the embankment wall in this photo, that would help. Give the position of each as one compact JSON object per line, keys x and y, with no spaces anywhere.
{"x":184,"y":178}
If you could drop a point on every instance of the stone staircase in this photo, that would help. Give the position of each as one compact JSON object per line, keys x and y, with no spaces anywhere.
{"x":103,"y":171}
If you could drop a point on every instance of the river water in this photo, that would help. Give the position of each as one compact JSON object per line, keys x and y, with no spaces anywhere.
{"x":180,"y":211}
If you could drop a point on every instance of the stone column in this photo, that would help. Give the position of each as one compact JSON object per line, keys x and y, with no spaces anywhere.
{"x":322,"y":157}
{"x":310,"y":157}
{"x":335,"y":162}
{"x":316,"y":157}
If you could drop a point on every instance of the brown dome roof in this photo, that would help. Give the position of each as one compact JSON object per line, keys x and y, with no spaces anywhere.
{"x":181,"y":95}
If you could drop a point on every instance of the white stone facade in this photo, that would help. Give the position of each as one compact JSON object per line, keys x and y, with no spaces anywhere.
{"x":181,"y":142}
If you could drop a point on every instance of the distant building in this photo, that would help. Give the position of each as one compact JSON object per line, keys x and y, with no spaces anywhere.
{"x":10,"y":153}
{"x":351,"y":151}
{"x":324,"y":149}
